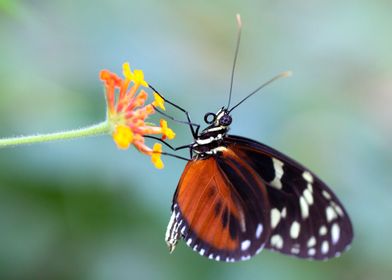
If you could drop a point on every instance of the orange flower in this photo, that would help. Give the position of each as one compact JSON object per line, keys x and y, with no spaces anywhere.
{"x":127,"y":112}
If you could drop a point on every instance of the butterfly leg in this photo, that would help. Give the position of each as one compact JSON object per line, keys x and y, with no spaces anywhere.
{"x":193,"y":127}
{"x":178,"y":121}
{"x":189,"y":146}
{"x":175,"y":156}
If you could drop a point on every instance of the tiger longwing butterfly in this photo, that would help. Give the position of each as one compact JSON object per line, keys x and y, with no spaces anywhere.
{"x":237,"y":196}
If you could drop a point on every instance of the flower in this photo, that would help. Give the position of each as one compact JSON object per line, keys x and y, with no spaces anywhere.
{"x":158,"y":101}
{"x":156,"y":156}
{"x":127,"y":112}
{"x":123,"y":136}
{"x":136,"y":76}
{"x":166,"y":131}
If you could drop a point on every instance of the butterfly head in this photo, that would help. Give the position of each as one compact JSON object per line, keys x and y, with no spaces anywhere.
{"x":221,"y":119}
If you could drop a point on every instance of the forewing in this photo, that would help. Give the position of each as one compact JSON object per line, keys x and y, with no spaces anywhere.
{"x":307,"y":219}
{"x":220,"y":208}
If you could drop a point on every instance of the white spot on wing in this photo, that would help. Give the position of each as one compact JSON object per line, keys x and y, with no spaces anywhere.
{"x":217,"y":258}
{"x":337,"y":208}
{"x":325,"y":247}
{"x":311,"y":252}
{"x":335,"y":233}
{"x":284,"y":212}
{"x":189,"y":242}
{"x":304,"y":207}
{"x":259,"y":230}
{"x":330,"y":213}
{"x":245,"y":258}
{"x":307,"y":176}
{"x":326,"y":194}
{"x":245,"y":245}
{"x":308,"y":196}
{"x":201,"y":252}
{"x":311,"y":242}
{"x":295,"y":250}
{"x":278,"y":167}
{"x":295,"y":229}
{"x":277,"y":241}
{"x":275,"y":217}
{"x":323,"y":230}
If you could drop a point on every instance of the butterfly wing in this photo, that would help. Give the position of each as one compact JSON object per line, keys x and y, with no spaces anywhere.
{"x":307,"y":219}
{"x":220,"y":209}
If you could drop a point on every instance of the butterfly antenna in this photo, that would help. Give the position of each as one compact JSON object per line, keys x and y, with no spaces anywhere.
{"x":281,"y":75}
{"x":239,"y":24}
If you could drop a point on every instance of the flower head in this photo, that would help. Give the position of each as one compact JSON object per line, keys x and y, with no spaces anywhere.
{"x":127,"y":112}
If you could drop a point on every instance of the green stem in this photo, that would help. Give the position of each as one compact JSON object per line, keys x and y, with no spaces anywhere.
{"x":94,"y":130}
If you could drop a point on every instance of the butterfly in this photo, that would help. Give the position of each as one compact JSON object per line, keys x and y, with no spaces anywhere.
{"x":237,"y":196}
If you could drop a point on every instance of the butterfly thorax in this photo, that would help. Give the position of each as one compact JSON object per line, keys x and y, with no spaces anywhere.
{"x":210,"y":141}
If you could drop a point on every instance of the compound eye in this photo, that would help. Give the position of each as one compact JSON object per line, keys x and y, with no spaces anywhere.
{"x":209,"y":118}
{"x":225,"y":120}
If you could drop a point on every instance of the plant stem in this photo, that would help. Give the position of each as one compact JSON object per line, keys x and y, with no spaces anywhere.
{"x":94,"y":130}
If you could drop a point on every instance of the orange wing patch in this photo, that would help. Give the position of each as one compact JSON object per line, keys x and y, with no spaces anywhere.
{"x":203,"y":198}
{"x":219,"y":208}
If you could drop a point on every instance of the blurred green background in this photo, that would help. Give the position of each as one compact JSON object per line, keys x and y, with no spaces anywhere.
{"x":83,"y":209}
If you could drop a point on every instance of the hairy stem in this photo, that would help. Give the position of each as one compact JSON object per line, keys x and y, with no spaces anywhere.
{"x":93,"y":130}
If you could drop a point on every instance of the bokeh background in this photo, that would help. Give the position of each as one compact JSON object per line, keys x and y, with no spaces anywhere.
{"x":83,"y":209}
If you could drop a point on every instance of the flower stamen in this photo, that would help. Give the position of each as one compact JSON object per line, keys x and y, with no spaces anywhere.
{"x":128,"y":112}
{"x":123,"y":136}
{"x":156,"y":156}
{"x":158,"y":101}
{"x":166,"y":131}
